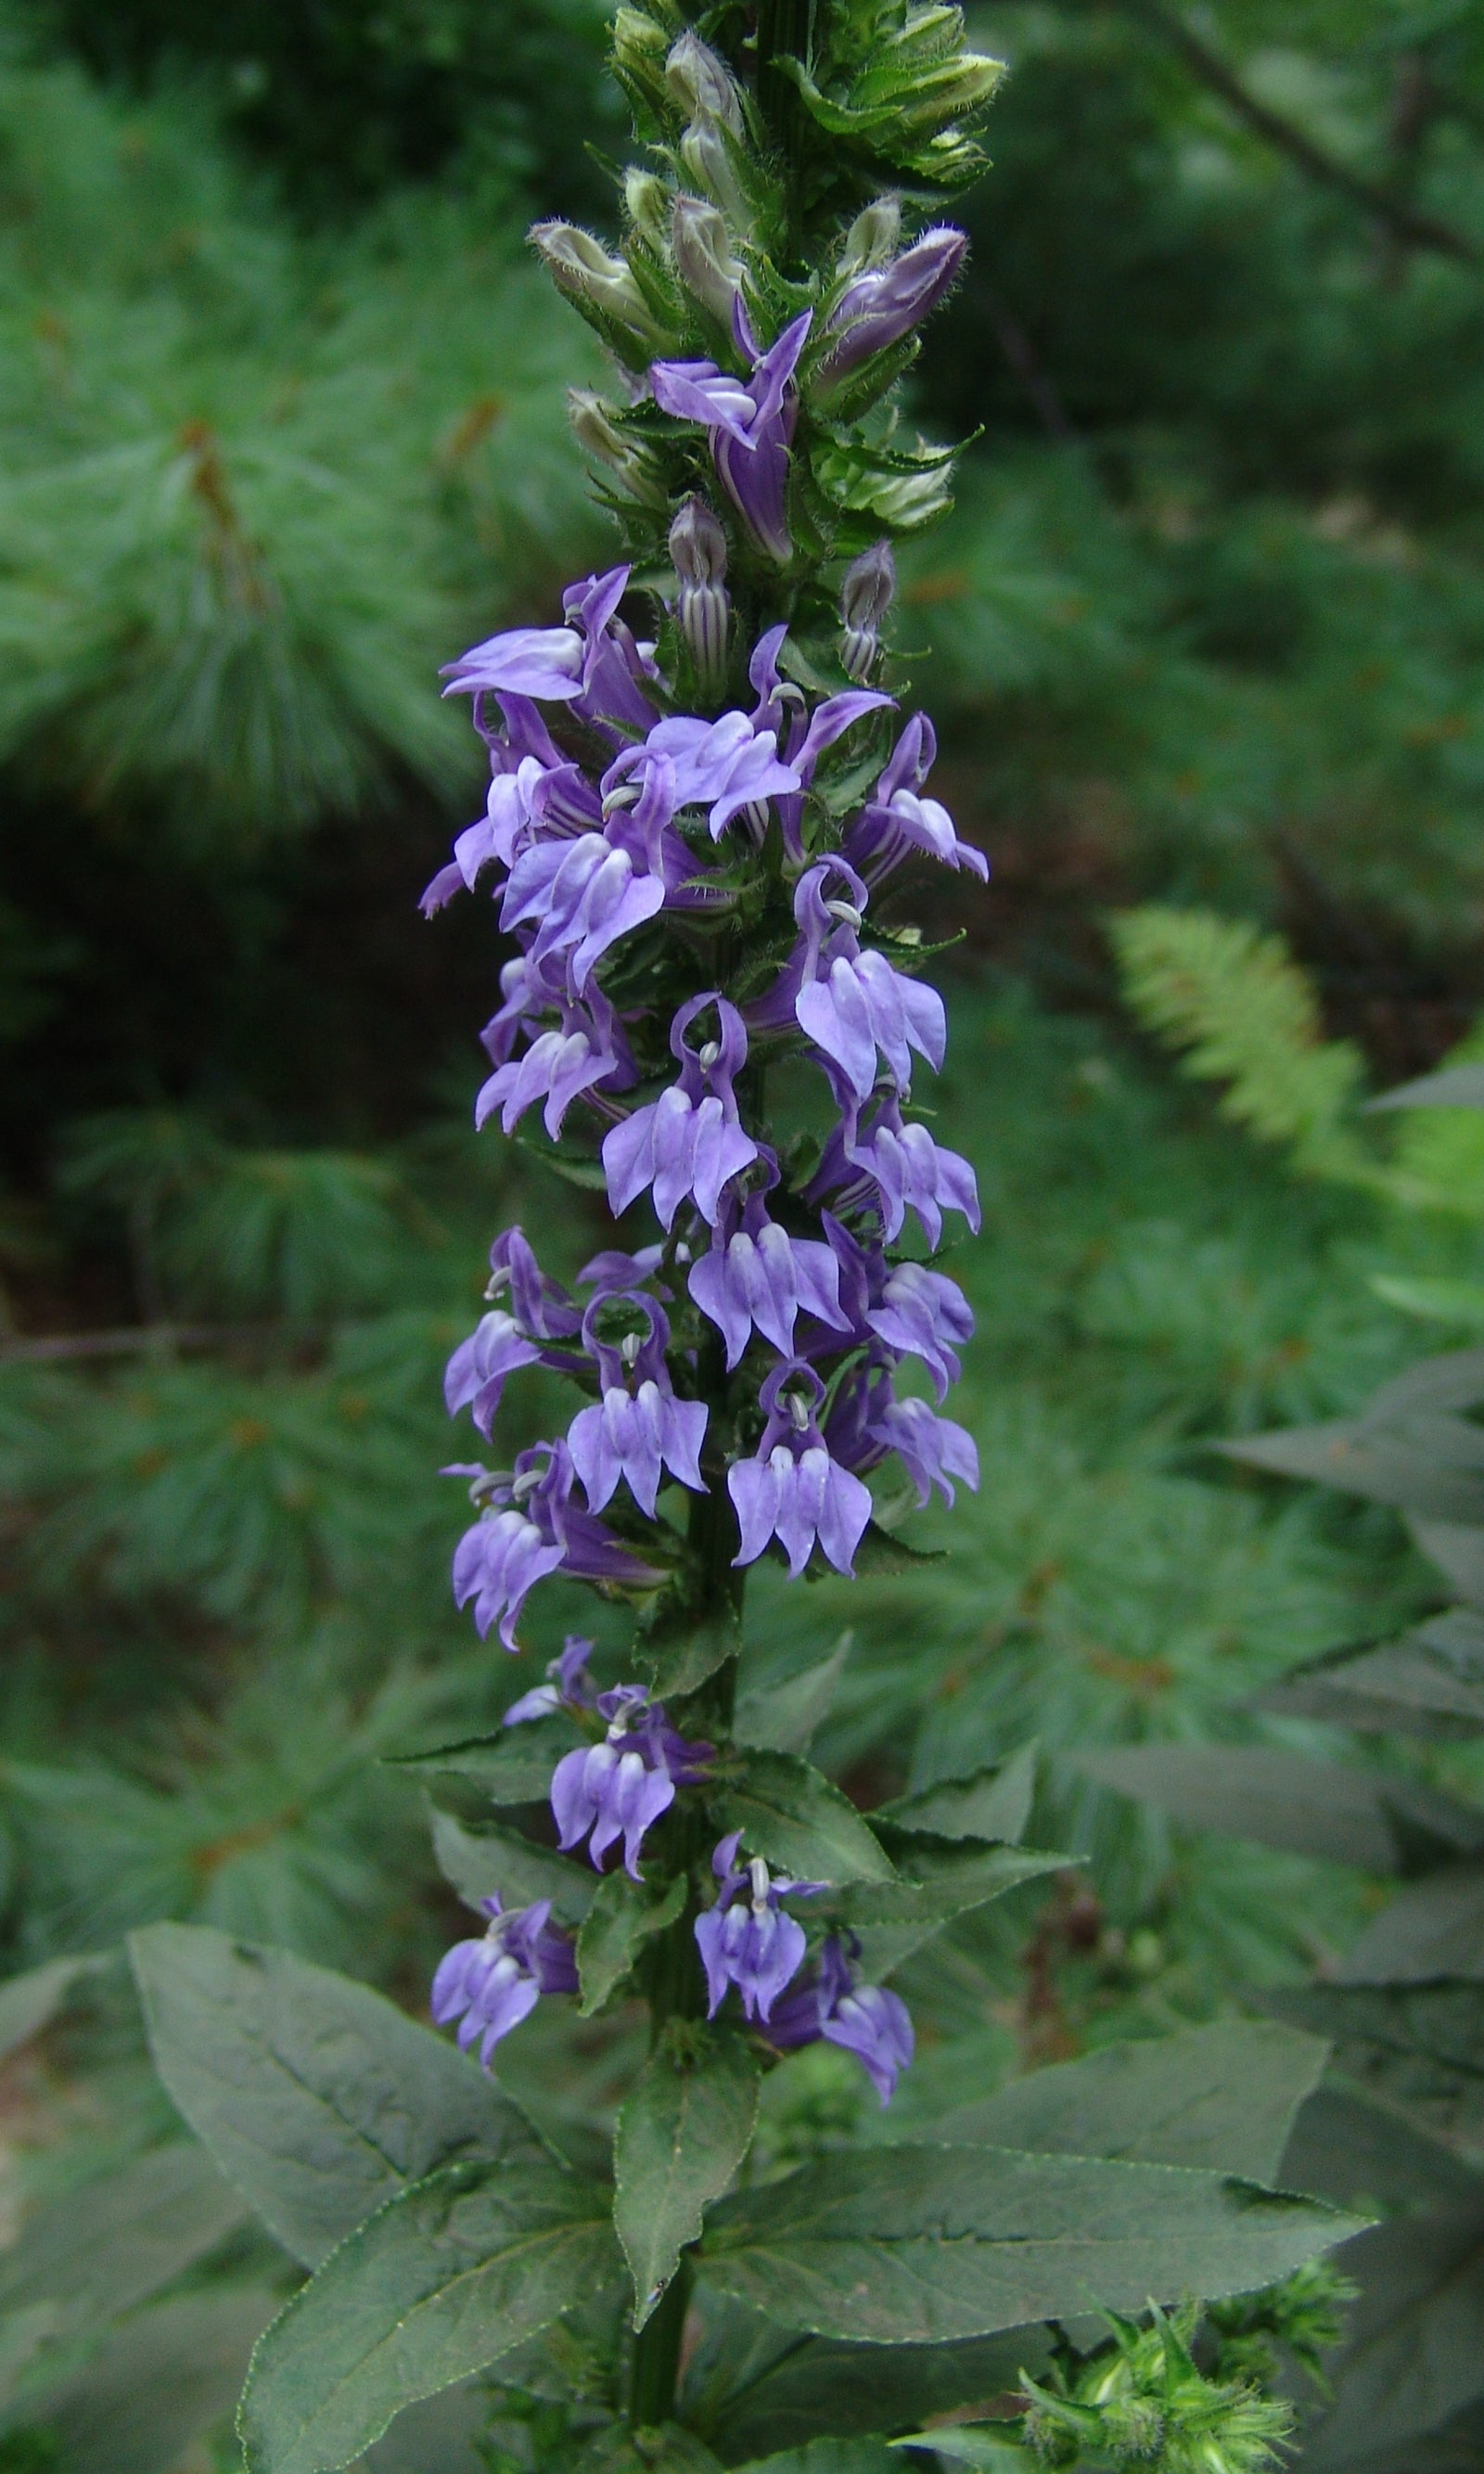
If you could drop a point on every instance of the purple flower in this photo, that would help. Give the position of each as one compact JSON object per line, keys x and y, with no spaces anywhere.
{"x":749,"y":422}
{"x":529,"y":1527}
{"x":619,"y":1787}
{"x":916,"y":1312}
{"x":592,"y":661}
{"x":545,"y":1316}
{"x":897,"y":821}
{"x":934,"y":1449}
{"x":566,"y":1686}
{"x":865,"y":2019}
{"x":634,"y":1433}
{"x":490,"y":1985}
{"x":725,"y":766}
{"x":756,"y":1274}
{"x":884,"y":303}
{"x":585,"y":893}
{"x":793,"y":1490}
{"x":893,"y":1168}
{"x":749,"y":1941}
{"x":851,"y":1002}
{"x":804,"y":736}
{"x":690,"y":1141}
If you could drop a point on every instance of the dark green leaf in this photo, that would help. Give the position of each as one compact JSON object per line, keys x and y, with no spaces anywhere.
{"x":30,"y":2002}
{"x":1434,"y":1928}
{"x":438,"y":2435}
{"x":1430,"y":1682}
{"x":1421,"y":2046}
{"x":317,"y":2098}
{"x":158,"y":2383}
{"x":1432,"y":1472}
{"x":588,"y":1174}
{"x":1365,"y":2153}
{"x":670,"y":2449}
{"x":993,"y":1802}
{"x":1457,"y":1086}
{"x":895,"y":1918}
{"x":680,"y":1650}
{"x":1222,"y":2098}
{"x":1415,"y":2348}
{"x":882,"y":1555}
{"x":514,"y":1766}
{"x":682,"y":2134}
{"x":110,"y":2245}
{"x":864,"y":2456}
{"x":918,"y":2244}
{"x":790,"y":1814}
{"x":447,"y":2277}
{"x":782,"y":1717}
{"x":1457,"y":1551}
{"x":492,"y":1861}
{"x":1352,"y":1816}
{"x":621,"y":1920}
{"x":984,"y":2445}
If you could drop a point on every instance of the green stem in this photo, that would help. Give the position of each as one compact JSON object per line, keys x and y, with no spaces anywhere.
{"x":656,"y":2361}
{"x":785,"y":29}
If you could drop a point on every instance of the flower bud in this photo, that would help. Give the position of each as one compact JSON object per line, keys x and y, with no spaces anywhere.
{"x":872,"y":237}
{"x":703,"y":256}
{"x":581,"y":266}
{"x":864,"y":598}
{"x":697,"y":546}
{"x":709,"y":155}
{"x":883,"y":304}
{"x":647,"y":200}
{"x":597,"y":434}
{"x":639,"y":49}
{"x":702,"y":84}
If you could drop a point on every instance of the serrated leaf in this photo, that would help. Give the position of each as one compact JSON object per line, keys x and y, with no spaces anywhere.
{"x":621,"y":1918}
{"x":683,"y":2132}
{"x":1430,"y":1470}
{"x":1363,"y":2151}
{"x":680,"y":1651}
{"x":895,"y":1918}
{"x":760,"y":2388}
{"x":513,"y":1766}
{"x":1433,"y":1929}
{"x":992,"y":1803}
{"x":792,"y":1815}
{"x":446,"y":2278}
{"x":1350,"y":1816}
{"x":881,"y":1554}
{"x":783,"y":1717}
{"x":920,"y":2245}
{"x":1418,"y":2045}
{"x":492,"y":1861}
{"x":317,"y":2098}
{"x":978,"y":2444}
{"x":1222,"y":2097}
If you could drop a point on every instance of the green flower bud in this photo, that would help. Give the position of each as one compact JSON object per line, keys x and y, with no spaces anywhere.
{"x":872,"y":238}
{"x":647,"y":200}
{"x":638,"y":52}
{"x":581,"y":266}
{"x":702,"y":85}
{"x":598,"y":435}
{"x":703,"y":256}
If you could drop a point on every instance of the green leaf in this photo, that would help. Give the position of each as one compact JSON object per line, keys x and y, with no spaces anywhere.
{"x":588,"y":1174}
{"x":447,"y":2277}
{"x":317,"y":2098}
{"x":792,"y":1814}
{"x":980,"y":2444}
{"x":682,"y":2134}
{"x":680,"y":1650}
{"x":1434,"y":1928}
{"x":1222,"y":2097}
{"x":1350,"y":1816}
{"x":1364,"y":2153}
{"x":864,"y":2456}
{"x":670,"y":2449}
{"x":109,"y":2246}
{"x":492,"y":1861}
{"x":159,"y":2381}
{"x":918,"y":2244}
{"x":993,"y":1802}
{"x":882,"y":1555}
{"x":1430,"y":1682}
{"x":760,"y":2388}
{"x":30,"y":2002}
{"x":782,"y":1717}
{"x":1418,"y":2046}
{"x":1455,"y":1301}
{"x":895,"y":1918}
{"x":1435,"y":1475}
{"x":513,"y":1766}
{"x":1414,"y":2353}
{"x":1457,"y":1086}
{"x":621,"y":1920}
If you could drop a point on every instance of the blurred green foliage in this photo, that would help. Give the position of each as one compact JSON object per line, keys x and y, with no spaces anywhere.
{"x":281,"y":429}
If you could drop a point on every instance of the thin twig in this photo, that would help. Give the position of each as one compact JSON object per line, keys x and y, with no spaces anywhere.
{"x":1408,"y":224}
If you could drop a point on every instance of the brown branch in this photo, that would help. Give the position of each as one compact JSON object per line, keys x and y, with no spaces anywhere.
{"x":1407,"y":223}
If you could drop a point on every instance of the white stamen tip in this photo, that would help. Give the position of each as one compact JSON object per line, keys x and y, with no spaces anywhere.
{"x":525,"y":1484}
{"x":624,"y":794}
{"x":629,"y":1347}
{"x":708,"y":1055}
{"x":799,"y":1410}
{"x":759,"y":1872}
{"x":845,"y":911}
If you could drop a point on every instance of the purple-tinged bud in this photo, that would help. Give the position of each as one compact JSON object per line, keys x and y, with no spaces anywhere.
{"x":594,"y":280}
{"x":872,"y":238}
{"x":864,"y":598}
{"x":883,"y":304}
{"x":697,"y":546}
{"x":702,"y":84}
{"x":703,"y":256}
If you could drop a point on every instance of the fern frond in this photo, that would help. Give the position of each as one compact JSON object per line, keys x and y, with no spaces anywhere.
{"x":1237,"y":1005}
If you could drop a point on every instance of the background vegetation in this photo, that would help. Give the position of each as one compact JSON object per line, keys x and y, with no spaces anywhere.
{"x":281,"y":429}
